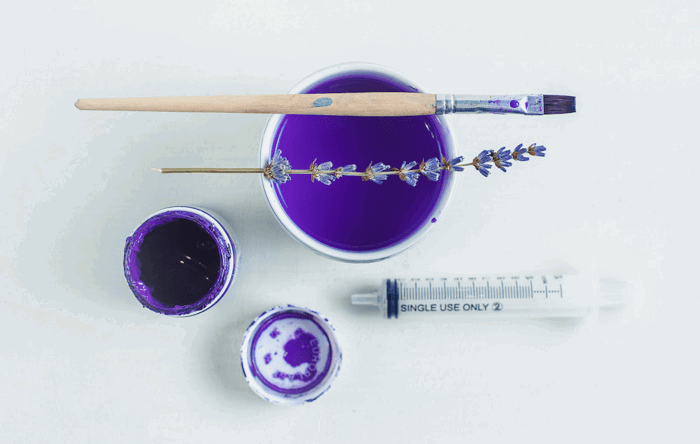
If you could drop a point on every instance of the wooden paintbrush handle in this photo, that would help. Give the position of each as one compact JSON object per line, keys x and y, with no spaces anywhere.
{"x":349,"y":104}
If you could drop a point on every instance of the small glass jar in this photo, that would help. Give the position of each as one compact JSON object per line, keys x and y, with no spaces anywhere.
{"x":180,"y":261}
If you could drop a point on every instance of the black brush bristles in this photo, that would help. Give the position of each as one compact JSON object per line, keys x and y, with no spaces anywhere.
{"x":559,"y":104}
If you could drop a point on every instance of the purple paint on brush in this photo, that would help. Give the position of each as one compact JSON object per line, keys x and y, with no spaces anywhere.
{"x":178,"y":263}
{"x":351,"y":214}
{"x":514,"y":104}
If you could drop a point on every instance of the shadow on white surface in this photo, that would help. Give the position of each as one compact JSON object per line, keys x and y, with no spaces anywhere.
{"x":218,"y":366}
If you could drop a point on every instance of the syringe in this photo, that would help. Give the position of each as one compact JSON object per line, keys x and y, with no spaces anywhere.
{"x":535,"y":296}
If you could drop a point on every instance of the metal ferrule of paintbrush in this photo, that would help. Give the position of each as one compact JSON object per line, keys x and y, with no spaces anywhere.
{"x":529,"y":104}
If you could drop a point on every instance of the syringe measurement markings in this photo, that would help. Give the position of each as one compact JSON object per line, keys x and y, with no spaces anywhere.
{"x":561,"y":291}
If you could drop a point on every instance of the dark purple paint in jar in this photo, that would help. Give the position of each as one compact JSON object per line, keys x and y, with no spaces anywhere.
{"x":180,"y":261}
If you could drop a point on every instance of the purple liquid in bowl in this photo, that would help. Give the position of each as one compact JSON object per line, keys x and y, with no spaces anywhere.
{"x":178,"y":263}
{"x":351,"y":214}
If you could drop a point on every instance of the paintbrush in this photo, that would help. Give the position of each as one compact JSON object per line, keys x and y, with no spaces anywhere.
{"x":344,"y":104}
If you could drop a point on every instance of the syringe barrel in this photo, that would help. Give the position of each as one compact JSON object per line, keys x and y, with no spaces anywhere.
{"x":488,"y":296}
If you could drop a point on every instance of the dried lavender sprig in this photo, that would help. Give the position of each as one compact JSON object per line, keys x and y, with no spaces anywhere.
{"x":279,"y":169}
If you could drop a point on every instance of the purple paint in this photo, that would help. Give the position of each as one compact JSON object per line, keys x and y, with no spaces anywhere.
{"x":306,"y":353}
{"x":178,"y":263}
{"x":350,"y":214}
{"x":302,"y":349}
{"x":433,"y":220}
{"x":514,"y":104}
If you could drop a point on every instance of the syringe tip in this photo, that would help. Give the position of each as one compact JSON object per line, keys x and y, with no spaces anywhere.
{"x":365,"y":299}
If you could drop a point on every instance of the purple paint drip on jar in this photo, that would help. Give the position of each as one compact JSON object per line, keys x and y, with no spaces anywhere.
{"x":350,"y":219}
{"x":171,"y":256}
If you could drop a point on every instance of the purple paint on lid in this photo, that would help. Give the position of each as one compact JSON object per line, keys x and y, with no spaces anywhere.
{"x":305,"y":353}
{"x":295,"y":365}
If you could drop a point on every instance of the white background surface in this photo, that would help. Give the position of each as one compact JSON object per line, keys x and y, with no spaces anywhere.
{"x":81,"y":361}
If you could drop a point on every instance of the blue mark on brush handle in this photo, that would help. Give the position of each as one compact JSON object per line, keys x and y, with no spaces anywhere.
{"x":323,"y":101}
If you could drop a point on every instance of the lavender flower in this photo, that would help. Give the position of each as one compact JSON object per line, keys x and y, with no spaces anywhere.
{"x":346,"y":169}
{"x":430,"y":169}
{"x":519,"y":153}
{"x":501,"y":158}
{"x":408,"y":176}
{"x":277,"y":169}
{"x":451,"y":165}
{"x":372,"y":173}
{"x":536,"y":150}
{"x":316,"y":174}
{"x":480,"y":162}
